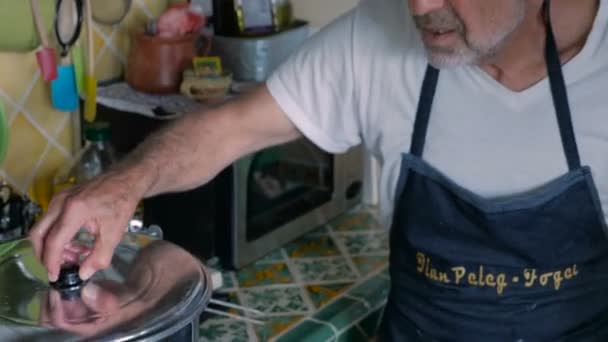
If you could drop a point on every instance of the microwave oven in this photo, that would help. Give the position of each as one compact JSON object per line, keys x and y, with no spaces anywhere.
{"x":254,"y":206}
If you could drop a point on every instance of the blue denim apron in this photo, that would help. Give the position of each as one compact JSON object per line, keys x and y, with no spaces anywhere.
{"x":530,"y":267}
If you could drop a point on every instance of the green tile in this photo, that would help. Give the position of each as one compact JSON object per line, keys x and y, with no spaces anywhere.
{"x":275,"y":325}
{"x":335,"y":269}
{"x":308,"y":331}
{"x":352,"y":335}
{"x":371,"y":323}
{"x":373,"y":242}
{"x":312,"y":246}
{"x":223,"y":330}
{"x":342,"y":313}
{"x":356,"y":221}
{"x":264,"y":274}
{"x":321,"y":294}
{"x":275,"y":300}
{"x":367,"y":264}
{"x":374,"y":290}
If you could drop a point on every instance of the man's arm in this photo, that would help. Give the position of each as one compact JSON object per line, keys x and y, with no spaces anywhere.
{"x":187,"y":153}
{"x":195,"y":149}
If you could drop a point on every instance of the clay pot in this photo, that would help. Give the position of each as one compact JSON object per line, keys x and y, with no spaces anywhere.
{"x":156,"y":64}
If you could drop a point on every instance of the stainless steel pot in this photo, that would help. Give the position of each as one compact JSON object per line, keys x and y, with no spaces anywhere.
{"x":152,"y":291}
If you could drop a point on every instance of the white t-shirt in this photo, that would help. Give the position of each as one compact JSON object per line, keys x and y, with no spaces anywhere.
{"x":359,"y":79}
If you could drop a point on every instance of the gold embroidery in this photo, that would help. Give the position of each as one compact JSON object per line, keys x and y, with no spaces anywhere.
{"x":482,"y":278}
{"x":424,"y":266}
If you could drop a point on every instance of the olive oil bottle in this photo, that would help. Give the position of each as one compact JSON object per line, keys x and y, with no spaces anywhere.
{"x":251,"y":17}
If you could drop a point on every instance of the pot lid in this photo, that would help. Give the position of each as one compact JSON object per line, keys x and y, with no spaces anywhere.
{"x":151,"y":290}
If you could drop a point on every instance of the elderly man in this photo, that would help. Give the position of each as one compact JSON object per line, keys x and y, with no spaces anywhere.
{"x":494,"y":168}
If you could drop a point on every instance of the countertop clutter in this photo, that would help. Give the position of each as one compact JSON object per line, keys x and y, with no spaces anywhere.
{"x":329,"y":285}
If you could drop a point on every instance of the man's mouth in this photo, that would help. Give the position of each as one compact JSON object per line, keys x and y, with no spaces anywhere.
{"x":439,"y":31}
{"x":439,"y":36}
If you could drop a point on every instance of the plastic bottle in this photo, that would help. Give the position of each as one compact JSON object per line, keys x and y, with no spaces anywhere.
{"x":95,"y":157}
{"x":99,"y":155}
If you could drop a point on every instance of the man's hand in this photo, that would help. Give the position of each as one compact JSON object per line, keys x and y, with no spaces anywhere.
{"x":181,"y":156}
{"x":103,"y":206}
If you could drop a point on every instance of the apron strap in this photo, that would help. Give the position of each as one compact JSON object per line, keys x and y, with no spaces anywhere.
{"x":559,"y":93}
{"x":425,"y":103}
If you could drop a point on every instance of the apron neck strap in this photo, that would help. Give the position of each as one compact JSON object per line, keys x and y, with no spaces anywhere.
{"x":558,"y":93}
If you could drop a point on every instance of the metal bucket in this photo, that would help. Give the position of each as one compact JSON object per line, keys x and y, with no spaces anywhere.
{"x":152,"y":291}
{"x":253,"y":59}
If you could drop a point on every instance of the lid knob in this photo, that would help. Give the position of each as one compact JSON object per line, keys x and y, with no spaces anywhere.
{"x":68,"y":278}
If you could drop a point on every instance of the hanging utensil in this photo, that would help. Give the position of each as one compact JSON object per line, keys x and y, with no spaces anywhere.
{"x":3,"y":133}
{"x":68,"y":24}
{"x":90,"y":108}
{"x":78,"y":59}
{"x":45,"y":55}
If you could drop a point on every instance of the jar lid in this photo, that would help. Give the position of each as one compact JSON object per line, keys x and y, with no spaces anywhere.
{"x":141,"y":295}
{"x":98,"y":131}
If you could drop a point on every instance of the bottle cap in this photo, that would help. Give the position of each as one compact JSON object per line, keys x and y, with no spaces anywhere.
{"x":98,"y":131}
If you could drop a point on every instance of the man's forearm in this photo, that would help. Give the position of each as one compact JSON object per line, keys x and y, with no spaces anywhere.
{"x":195,"y":148}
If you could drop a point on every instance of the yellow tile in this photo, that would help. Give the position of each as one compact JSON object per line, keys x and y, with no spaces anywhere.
{"x":42,"y":186}
{"x":122,"y":42}
{"x":108,"y":10}
{"x":17,"y":70}
{"x":64,"y":138}
{"x":98,"y":43}
{"x":108,"y":66}
{"x":26,"y":145}
{"x":105,"y":29}
{"x":135,"y":21}
{"x":9,"y":109}
{"x":156,"y":7}
{"x":41,"y":109}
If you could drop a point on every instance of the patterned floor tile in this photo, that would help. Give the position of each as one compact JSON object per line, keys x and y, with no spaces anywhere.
{"x":367,"y":264}
{"x":324,"y":269}
{"x":356,"y":221}
{"x":275,"y":300}
{"x":308,"y":331}
{"x":264,"y":274}
{"x":275,"y":326}
{"x":312,"y":246}
{"x":342,"y":313}
{"x":374,"y":291}
{"x":375,"y":242}
{"x":322,"y":294}
{"x":223,"y":330}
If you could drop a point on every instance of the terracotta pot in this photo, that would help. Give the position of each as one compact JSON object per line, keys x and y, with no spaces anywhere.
{"x":156,"y":64}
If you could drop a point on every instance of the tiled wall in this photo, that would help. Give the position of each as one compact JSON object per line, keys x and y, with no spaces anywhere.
{"x":40,"y":138}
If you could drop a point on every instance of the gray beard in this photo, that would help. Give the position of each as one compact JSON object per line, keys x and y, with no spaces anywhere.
{"x":473,"y":53}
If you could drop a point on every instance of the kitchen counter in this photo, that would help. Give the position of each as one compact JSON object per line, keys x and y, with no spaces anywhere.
{"x":329,"y":285}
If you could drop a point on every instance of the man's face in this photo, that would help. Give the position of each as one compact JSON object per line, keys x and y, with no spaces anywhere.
{"x":457,"y":32}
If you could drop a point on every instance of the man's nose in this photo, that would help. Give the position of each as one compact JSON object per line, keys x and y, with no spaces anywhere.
{"x":422,"y":7}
